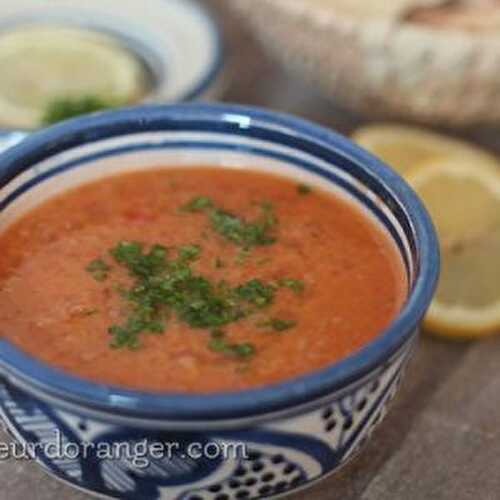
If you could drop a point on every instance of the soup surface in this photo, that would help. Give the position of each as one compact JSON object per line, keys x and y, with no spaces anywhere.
{"x":196,"y":280}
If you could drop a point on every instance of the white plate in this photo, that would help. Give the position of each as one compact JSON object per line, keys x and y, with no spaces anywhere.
{"x":177,"y":39}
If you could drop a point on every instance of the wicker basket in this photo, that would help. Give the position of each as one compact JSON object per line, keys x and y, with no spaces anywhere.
{"x":384,"y":65}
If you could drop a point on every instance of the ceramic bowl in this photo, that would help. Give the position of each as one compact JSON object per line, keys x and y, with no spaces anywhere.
{"x":294,"y":433}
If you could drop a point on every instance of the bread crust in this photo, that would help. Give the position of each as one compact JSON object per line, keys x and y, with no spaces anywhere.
{"x":385,"y":65}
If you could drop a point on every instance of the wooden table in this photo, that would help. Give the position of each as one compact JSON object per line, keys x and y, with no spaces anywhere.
{"x":441,"y":440}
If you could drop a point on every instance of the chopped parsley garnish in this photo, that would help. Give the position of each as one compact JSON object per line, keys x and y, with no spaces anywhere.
{"x":236,"y":229}
{"x":296,"y":285}
{"x":127,"y":335}
{"x":89,"y":312}
{"x":241,"y":232}
{"x":130,"y":254}
{"x":197,"y":204}
{"x":278,"y":325}
{"x":257,"y":293}
{"x":303,"y":189}
{"x":264,"y":260}
{"x":217,"y":333}
{"x":189,"y":252}
{"x":219,"y":343}
{"x":99,"y":269}
{"x":69,"y":107}
{"x":201,"y":304}
{"x":164,"y":286}
{"x":242,"y":256}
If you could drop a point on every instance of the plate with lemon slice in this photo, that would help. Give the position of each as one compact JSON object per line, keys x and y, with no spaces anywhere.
{"x":460,"y":186}
{"x":105,"y":52}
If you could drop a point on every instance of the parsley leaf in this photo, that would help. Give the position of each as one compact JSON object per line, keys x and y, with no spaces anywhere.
{"x":256,"y":292}
{"x":127,"y":335}
{"x":218,"y":343}
{"x":189,"y":253}
{"x":197,"y":204}
{"x":233,"y":228}
{"x":99,"y":269}
{"x":130,"y":254}
{"x":245,"y":233}
{"x":296,"y":285}
{"x":278,"y":325}
{"x":303,"y":189}
{"x":69,"y":107}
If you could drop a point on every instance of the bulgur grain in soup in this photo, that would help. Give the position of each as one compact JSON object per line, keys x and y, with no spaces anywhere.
{"x":197,"y":280}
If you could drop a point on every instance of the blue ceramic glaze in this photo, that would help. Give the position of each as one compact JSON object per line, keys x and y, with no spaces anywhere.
{"x":295,"y":432}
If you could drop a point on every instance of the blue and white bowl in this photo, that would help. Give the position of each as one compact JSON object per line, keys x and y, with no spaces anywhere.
{"x":294,"y":433}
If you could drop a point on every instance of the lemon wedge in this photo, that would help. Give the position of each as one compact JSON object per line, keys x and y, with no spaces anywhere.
{"x":402,"y":146}
{"x":44,"y":63}
{"x":463,"y":198}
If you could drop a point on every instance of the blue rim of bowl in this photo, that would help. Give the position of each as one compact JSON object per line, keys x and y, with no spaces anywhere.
{"x":9,"y":138}
{"x":37,"y":377}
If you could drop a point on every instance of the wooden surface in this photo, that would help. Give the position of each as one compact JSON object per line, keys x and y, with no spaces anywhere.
{"x":441,"y":440}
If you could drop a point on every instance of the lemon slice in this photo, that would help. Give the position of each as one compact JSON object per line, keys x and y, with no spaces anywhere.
{"x":44,"y":63}
{"x":402,"y":146}
{"x":463,"y":199}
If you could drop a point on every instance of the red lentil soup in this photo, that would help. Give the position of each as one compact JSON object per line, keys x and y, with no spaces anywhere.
{"x":196,"y":280}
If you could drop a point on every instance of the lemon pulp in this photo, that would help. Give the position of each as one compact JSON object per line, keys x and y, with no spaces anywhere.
{"x":44,"y":63}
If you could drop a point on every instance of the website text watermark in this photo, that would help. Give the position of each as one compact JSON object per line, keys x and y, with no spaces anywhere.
{"x":139,"y":453}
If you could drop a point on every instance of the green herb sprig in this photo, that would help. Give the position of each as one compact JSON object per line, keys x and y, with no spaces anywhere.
{"x":99,"y":269}
{"x":220,"y":344}
{"x":304,"y":189}
{"x":165,"y":286}
{"x":296,"y":286}
{"x":236,"y":229}
{"x":69,"y":107}
{"x":278,"y":325}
